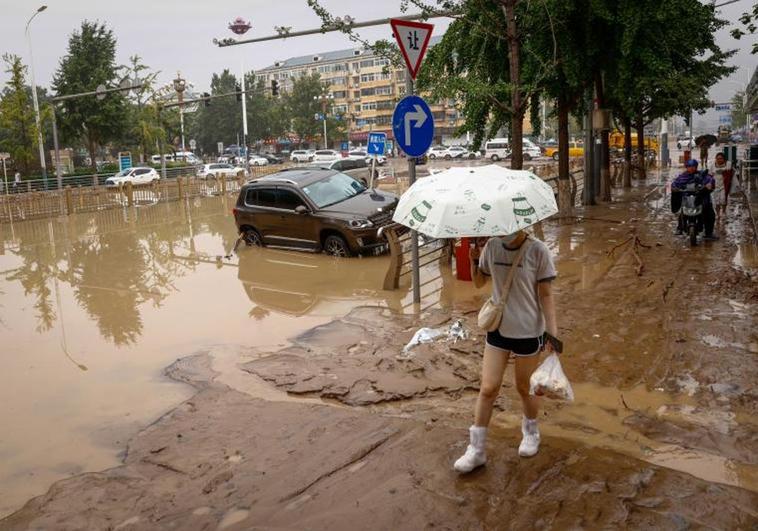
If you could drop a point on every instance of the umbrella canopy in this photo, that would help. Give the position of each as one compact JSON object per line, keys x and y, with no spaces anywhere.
{"x":708,"y":140}
{"x":479,"y":201}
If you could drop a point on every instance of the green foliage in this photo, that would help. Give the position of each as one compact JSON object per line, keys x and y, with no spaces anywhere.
{"x":302,"y":106}
{"x":222,"y":121}
{"x":749,"y":20}
{"x":738,"y":110}
{"x":18,"y":132}
{"x":143,"y":129}
{"x":90,"y":61}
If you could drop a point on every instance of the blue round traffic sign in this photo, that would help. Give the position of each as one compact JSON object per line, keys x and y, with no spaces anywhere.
{"x":413,"y":125}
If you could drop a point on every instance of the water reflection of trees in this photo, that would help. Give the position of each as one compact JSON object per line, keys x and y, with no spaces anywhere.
{"x":113,"y":263}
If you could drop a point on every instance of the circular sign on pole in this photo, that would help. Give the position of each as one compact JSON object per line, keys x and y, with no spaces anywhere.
{"x":413,"y":125}
{"x":193,"y":144}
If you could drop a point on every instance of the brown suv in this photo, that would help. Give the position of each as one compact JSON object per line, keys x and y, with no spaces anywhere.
{"x":315,"y":210}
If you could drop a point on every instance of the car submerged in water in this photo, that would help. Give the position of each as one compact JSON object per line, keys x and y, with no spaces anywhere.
{"x":314,"y":209}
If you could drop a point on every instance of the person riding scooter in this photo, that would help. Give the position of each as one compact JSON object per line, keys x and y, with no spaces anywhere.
{"x":701,"y":179}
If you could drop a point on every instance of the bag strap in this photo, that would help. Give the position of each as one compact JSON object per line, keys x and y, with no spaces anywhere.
{"x":512,"y":273}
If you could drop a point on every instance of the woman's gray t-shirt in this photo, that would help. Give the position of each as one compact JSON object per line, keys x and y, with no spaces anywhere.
{"x":523,"y":316}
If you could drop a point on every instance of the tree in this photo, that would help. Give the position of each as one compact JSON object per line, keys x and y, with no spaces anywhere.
{"x":19,"y":132}
{"x":90,"y":62}
{"x":739,"y":112}
{"x":266,"y":115}
{"x":144,"y":128}
{"x":749,"y":20}
{"x":302,"y":106}
{"x":222,"y":120}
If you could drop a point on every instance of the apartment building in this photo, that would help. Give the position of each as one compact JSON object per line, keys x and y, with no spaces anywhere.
{"x":364,"y":92}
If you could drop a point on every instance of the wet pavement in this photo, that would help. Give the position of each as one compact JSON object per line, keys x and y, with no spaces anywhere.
{"x":336,"y":425}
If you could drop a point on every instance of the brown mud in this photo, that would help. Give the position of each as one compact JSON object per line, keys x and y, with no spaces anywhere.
{"x":340,"y":431}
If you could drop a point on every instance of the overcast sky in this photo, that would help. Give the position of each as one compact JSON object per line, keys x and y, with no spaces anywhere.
{"x":170,"y":35}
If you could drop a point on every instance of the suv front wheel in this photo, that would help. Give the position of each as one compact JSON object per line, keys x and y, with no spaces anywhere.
{"x":336,"y":246}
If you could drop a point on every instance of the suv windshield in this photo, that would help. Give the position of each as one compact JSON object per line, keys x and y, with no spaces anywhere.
{"x":333,"y":189}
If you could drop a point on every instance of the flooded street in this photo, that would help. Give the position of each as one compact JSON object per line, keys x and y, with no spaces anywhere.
{"x":94,"y":307}
{"x":290,"y":405}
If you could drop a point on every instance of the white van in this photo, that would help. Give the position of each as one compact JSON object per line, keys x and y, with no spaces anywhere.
{"x":497,"y":149}
{"x":156,"y":159}
{"x":188,"y":157}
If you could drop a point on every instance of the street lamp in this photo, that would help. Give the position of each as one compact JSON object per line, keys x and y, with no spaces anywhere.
{"x":180,"y":85}
{"x":34,"y":98}
{"x":326,"y":97}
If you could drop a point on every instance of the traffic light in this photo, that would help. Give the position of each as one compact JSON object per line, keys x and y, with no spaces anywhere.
{"x":238,"y":90}
{"x":274,"y":87}
{"x":207,"y":99}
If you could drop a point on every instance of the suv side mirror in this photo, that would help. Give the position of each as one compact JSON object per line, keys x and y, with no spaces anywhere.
{"x":301,"y":210}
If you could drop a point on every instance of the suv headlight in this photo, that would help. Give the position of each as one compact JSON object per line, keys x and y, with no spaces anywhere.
{"x":360,"y":224}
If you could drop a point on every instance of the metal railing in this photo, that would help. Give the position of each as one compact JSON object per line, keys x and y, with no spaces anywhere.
{"x":31,"y":201}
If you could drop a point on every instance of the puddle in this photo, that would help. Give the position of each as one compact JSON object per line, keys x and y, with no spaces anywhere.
{"x":746,"y":256}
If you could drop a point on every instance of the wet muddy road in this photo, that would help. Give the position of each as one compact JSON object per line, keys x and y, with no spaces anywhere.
{"x":334,"y":428}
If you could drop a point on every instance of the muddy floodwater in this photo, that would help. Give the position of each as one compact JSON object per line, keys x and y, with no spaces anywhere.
{"x":94,"y":307}
{"x":286,"y":402}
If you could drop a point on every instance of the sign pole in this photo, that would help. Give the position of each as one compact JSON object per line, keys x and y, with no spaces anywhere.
{"x":414,"y":234}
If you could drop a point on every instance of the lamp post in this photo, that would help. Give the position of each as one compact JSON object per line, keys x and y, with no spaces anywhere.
{"x":34,"y":98}
{"x":326,"y":97}
{"x":179,"y":85}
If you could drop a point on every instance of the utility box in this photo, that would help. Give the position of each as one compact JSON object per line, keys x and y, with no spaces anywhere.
{"x":601,"y":120}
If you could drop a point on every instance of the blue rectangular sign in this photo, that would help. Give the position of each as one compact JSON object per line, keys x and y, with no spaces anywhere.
{"x":344,"y":146}
{"x":124,"y":160}
{"x":376,"y":143}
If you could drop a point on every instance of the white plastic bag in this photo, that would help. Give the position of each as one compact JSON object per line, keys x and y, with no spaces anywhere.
{"x":549,"y":380}
{"x":423,"y":335}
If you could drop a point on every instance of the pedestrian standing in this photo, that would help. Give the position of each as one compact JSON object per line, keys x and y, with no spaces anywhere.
{"x":17,"y":181}
{"x":529,"y":312}
{"x":704,"y":152}
{"x":722,"y":172}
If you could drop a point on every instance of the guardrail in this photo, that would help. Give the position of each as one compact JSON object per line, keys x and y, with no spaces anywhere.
{"x":36,"y":202}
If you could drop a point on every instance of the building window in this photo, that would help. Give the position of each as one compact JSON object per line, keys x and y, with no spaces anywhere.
{"x":339,"y":94}
{"x":369,"y":106}
{"x":383,"y":91}
{"x":340,"y":109}
{"x":368,"y":92}
{"x":367,"y":78}
{"x":368,"y":63}
{"x":357,"y":94}
{"x":357,"y":108}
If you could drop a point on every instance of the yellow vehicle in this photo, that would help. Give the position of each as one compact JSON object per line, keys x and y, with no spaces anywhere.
{"x":576,"y":149}
{"x":617,"y":142}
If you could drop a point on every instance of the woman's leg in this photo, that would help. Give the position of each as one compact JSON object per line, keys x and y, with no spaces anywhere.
{"x":525,"y":366}
{"x":530,"y":441}
{"x":493,"y":367}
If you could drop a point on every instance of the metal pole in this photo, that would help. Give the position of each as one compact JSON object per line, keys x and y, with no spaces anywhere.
{"x":37,"y":120}
{"x":244,"y":113}
{"x":414,"y":234}
{"x":181,"y":125}
{"x":58,"y":171}
{"x":326,"y":142}
{"x":5,"y":177}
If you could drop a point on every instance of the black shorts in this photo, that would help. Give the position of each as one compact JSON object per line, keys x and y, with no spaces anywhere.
{"x":529,"y":346}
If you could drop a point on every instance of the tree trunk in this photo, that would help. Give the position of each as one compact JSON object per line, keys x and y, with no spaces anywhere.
{"x":565,"y":204}
{"x":514,"y":63}
{"x":92,"y":153}
{"x":605,"y":139}
{"x":640,"y":127}
{"x":627,"y":152}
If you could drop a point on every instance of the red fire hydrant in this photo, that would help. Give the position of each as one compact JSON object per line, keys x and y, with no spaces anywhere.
{"x":462,"y":263}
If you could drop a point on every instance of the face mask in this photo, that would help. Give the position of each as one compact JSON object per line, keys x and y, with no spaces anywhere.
{"x":510,"y":238}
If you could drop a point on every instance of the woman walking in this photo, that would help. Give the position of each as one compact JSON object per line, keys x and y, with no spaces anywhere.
{"x":721,"y":170}
{"x":529,"y":313}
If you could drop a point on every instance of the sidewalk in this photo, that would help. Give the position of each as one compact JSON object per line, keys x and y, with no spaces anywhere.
{"x":336,"y":432}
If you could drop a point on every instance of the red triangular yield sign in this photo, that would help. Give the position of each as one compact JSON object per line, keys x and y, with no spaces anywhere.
{"x":412,"y":38}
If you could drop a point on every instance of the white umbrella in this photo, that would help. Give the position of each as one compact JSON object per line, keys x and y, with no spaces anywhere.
{"x":476,"y":201}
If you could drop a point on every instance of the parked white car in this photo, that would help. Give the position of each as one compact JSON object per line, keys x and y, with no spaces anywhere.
{"x":359,"y":154}
{"x":459,"y":152}
{"x":138,"y":175}
{"x":497,"y":149}
{"x":301,"y":155}
{"x":437,"y":152}
{"x":211,"y":171}
{"x":326,"y":155}
{"x":255,"y":160}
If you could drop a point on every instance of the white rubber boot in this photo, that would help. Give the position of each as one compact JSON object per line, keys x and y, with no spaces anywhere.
{"x":475,"y":455}
{"x":530,"y":443}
